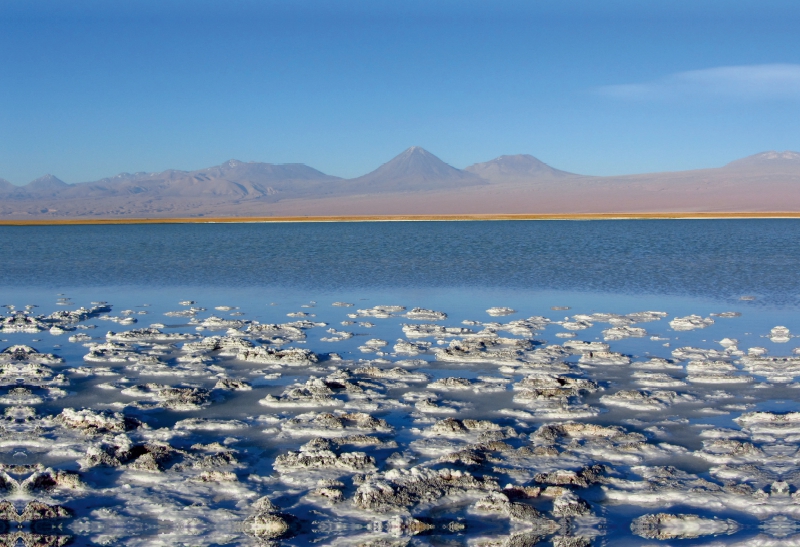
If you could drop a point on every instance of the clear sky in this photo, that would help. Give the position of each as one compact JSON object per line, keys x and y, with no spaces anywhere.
{"x":92,"y":88}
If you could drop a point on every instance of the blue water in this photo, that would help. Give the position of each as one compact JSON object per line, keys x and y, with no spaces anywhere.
{"x":721,"y":259}
{"x":680,"y":267}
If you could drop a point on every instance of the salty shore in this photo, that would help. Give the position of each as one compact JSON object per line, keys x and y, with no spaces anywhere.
{"x":405,"y":218}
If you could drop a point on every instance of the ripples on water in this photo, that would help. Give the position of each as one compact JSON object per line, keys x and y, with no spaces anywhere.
{"x":710,"y":432}
{"x":708,"y":258}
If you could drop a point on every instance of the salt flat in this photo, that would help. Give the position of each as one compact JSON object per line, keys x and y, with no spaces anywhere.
{"x":489,"y":383}
{"x":211,"y":427}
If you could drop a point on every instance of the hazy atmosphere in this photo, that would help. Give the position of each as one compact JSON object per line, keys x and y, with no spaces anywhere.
{"x":91,"y":88}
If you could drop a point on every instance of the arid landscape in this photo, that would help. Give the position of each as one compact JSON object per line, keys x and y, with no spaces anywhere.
{"x":416,"y":182}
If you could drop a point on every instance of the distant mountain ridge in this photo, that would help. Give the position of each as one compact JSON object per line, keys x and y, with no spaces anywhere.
{"x":413,"y":182}
{"x":233,"y":179}
{"x":770,"y":159}
{"x":516,"y":168}
{"x":413,"y":170}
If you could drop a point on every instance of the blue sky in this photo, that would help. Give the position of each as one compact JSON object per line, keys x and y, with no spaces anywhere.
{"x":93,"y":88}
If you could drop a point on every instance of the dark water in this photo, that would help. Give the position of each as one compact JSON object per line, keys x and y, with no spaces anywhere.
{"x":706,"y":258}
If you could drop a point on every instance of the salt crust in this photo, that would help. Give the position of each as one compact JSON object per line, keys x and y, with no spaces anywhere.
{"x":524,"y":417}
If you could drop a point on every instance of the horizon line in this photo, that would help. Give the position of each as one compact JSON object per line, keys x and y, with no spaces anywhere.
{"x":700,"y":215}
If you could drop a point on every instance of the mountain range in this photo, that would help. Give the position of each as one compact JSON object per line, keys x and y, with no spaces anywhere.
{"x":414,"y":182}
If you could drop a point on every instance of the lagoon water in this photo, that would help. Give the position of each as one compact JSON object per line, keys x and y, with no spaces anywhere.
{"x":370,"y":425}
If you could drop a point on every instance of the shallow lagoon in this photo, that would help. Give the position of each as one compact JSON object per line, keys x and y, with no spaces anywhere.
{"x":683,"y":447}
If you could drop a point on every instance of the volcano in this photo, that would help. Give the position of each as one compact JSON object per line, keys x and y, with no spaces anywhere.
{"x":413,"y":170}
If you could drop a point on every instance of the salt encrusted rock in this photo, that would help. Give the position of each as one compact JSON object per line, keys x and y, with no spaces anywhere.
{"x":152,"y":457}
{"x":604,"y":358}
{"x":26,"y":354}
{"x":727,"y":314}
{"x":571,"y":541}
{"x":337,"y":336}
{"x":191,"y":312}
{"x":372,"y":345}
{"x":451,"y":383}
{"x":780,"y":335}
{"x":404,"y":347}
{"x":399,"y":488}
{"x":112,"y":352}
{"x":315,"y":392}
{"x":519,"y":327}
{"x":520,"y":512}
{"x":622,"y":332}
{"x":34,"y":510}
{"x":64,"y":317}
{"x":482,"y":350}
{"x":570,"y":505}
{"x":578,"y":347}
{"x":656,"y":379}
{"x":338,"y":425}
{"x":22,"y":322}
{"x":656,"y":363}
{"x":380,"y":312}
{"x":448,"y":425}
{"x":174,"y":398}
{"x":577,"y":325}
{"x":267,"y":522}
{"x":94,"y":422}
{"x":454,"y":427}
{"x":646,"y":400}
{"x":309,"y":459}
{"x":32,"y":373}
{"x":422,"y":314}
{"x":620,"y":320}
{"x":25,"y":396}
{"x":730,"y":451}
{"x":232,"y":384}
{"x":226,"y":345}
{"x":217,"y":476}
{"x":668,"y":526}
{"x":395,"y":527}
{"x":575,"y":430}
{"x":690,"y":322}
{"x":499,"y":311}
{"x":209,"y":424}
{"x":582,"y":478}
{"x":715,"y":372}
{"x":147,"y":335}
{"x":776,"y":369}
{"x":218,"y":323}
{"x":120,"y":451}
{"x":123,"y":320}
{"x":438,"y":331}
{"x":556,"y":385}
{"x":289,"y":356}
{"x":700,"y":354}
{"x":396,"y":373}
{"x":50,"y":479}
{"x":329,"y":489}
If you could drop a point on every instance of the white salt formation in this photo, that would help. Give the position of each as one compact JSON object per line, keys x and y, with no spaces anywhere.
{"x":420,"y":429}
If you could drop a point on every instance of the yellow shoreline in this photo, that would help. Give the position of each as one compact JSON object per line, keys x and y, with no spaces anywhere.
{"x":386,"y":218}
